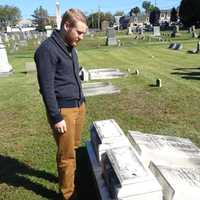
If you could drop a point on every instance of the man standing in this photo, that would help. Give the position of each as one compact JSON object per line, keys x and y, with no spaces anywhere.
{"x":60,"y":87}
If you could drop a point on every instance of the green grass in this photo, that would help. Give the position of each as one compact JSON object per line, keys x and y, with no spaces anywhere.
{"x":27,"y":157}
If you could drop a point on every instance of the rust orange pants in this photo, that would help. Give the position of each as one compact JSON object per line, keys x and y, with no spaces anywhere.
{"x":67,"y":143}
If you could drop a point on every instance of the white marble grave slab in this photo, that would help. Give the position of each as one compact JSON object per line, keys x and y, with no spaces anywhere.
{"x":165,"y":150}
{"x":106,"y":134}
{"x":105,"y":73}
{"x":127,"y":178}
{"x":178,"y":183}
{"x":99,"y":88}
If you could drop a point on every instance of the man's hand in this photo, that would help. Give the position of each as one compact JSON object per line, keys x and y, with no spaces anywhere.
{"x":61,"y":126}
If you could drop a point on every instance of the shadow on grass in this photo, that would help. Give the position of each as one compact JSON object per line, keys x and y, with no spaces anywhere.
{"x":85,"y":183}
{"x":188,"y":73}
{"x":13,"y":172}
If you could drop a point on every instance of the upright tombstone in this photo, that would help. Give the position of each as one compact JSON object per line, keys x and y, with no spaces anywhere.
{"x":194,"y":35}
{"x":156,"y":31}
{"x":6,"y":37}
{"x":129,"y":30}
{"x":49,"y":30}
{"x":104,"y":25}
{"x":58,"y":14}
{"x":174,"y":31}
{"x":193,"y":28}
{"x":198,"y":47}
{"x":193,"y":31}
{"x":84,"y":75}
{"x":195,"y":50}
{"x":111,"y":37}
{"x":5,"y":67}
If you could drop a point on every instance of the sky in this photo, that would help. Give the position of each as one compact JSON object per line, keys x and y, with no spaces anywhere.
{"x":27,"y":7}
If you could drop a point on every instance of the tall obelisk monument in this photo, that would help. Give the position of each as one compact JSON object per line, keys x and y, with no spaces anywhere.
{"x":58,"y":14}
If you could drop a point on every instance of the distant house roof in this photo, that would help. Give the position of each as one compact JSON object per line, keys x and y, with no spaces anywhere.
{"x":126,"y":20}
{"x":25,"y":23}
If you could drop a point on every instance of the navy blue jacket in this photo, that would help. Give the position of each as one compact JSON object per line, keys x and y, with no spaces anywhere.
{"x":58,"y":75}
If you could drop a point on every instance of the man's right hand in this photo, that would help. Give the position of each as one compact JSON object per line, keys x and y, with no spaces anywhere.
{"x":61,"y":126}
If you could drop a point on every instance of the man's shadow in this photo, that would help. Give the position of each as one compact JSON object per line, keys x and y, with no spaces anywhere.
{"x":84,"y":182}
{"x":13,"y":172}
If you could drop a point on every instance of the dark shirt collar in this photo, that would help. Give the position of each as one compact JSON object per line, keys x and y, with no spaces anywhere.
{"x":57,"y":37}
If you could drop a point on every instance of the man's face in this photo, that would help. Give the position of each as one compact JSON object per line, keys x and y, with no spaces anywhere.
{"x":73,"y":35}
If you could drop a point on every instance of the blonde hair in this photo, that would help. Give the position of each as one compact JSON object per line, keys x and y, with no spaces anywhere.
{"x":72,"y":16}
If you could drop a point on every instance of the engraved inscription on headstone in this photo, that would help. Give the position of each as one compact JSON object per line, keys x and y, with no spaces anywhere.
{"x":111,"y":37}
{"x":167,"y":150}
{"x":178,"y":183}
{"x":126,"y":176}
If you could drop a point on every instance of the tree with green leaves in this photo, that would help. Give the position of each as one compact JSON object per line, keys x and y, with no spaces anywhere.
{"x":9,"y":16}
{"x":134,"y":11}
{"x":189,"y":12}
{"x":119,"y":13}
{"x":146,"y":5}
{"x":173,"y":15}
{"x":92,"y":19}
{"x":154,"y":16}
{"x":41,"y":18}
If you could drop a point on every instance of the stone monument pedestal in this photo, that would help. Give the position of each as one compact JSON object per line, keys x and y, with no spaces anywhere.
{"x":5,"y":67}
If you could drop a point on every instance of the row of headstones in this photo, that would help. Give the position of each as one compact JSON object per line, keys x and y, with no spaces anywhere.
{"x":143,"y":166}
{"x":14,"y":41}
{"x":112,"y":40}
{"x":6,"y":37}
{"x":20,"y":39}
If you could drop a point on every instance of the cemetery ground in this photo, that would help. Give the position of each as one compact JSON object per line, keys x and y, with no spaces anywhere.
{"x":27,"y":149}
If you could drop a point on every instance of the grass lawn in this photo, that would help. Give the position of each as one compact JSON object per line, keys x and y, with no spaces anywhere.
{"x":27,"y":149}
